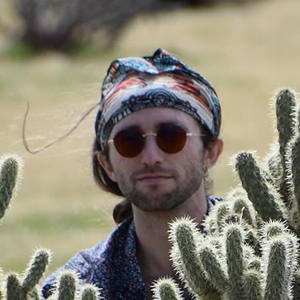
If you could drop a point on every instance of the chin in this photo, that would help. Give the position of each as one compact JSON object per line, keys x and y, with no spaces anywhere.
{"x":160,"y":203}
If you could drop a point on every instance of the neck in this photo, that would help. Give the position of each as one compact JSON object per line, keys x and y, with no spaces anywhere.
{"x":153,"y":245}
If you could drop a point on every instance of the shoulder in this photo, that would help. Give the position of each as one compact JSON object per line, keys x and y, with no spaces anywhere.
{"x":88,"y":262}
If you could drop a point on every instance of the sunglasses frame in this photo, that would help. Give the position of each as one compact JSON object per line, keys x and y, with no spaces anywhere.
{"x":144,"y":135}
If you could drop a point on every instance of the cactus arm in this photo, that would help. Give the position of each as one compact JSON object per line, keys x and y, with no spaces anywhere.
{"x":294,"y":168}
{"x":10,"y":173}
{"x":213,"y":268}
{"x":67,"y":285}
{"x":241,"y":207}
{"x":90,"y":292}
{"x":14,"y":288}
{"x":285,"y":111}
{"x":184,"y":238}
{"x":276,"y":270}
{"x":36,"y":269}
{"x":252,"y":285}
{"x":264,"y":198}
{"x":166,"y":289}
{"x":234,"y":237}
{"x":34,"y":294}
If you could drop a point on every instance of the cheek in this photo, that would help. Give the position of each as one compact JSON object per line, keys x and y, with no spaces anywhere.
{"x":121,"y":166}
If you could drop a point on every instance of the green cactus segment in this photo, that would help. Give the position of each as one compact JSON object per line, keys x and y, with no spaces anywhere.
{"x":275,"y":169}
{"x":215,"y":221}
{"x":90,"y":292}
{"x":213,"y":268}
{"x":254,"y":264}
{"x":221,"y":213}
{"x":276,"y":271}
{"x":235,"y":261}
{"x":273,"y":229}
{"x":296,"y":291}
{"x":241,"y":207}
{"x":285,"y":111}
{"x":265,"y":200}
{"x":292,"y":265}
{"x":9,"y":176}
{"x":67,"y":284}
{"x":185,"y":258}
{"x":252,"y":286}
{"x":295,"y":170}
{"x":34,"y":294}
{"x":166,"y":289}
{"x":13,"y":288}
{"x":36,"y":269}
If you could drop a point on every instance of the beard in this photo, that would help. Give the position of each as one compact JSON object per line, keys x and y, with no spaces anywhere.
{"x":154,"y":200}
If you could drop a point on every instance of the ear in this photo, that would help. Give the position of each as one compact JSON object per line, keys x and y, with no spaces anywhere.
{"x":106,"y":165}
{"x":213,"y":152}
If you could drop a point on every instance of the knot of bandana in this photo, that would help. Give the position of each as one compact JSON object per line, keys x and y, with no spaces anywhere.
{"x":161,"y":80}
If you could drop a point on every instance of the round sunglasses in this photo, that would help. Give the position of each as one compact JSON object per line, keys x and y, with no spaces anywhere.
{"x":170,"y":138}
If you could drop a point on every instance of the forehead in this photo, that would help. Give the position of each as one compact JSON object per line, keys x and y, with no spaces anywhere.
{"x":149,"y":118}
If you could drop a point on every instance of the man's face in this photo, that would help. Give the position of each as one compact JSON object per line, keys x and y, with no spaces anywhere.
{"x":155,"y":180}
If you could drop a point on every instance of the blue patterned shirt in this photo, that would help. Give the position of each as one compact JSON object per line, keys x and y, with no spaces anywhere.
{"x":111,"y":265}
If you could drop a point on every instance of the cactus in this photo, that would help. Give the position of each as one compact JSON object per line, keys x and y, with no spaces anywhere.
{"x":67,"y":283}
{"x":263,"y":196}
{"x":189,"y":267}
{"x":26,"y":288}
{"x":242,"y":275}
{"x":90,"y":292}
{"x":252,"y":239}
{"x":285,"y":109}
{"x":166,"y":289}
{"x":36,"y":269}
{"x":10,"y":173}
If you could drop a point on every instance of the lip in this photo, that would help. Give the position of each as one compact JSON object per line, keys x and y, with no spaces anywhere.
{"x":153,"y":178}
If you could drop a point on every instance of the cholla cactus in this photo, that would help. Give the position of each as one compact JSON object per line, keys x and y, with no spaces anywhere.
{"x":250,"y":248}
{"x":229,"y":265}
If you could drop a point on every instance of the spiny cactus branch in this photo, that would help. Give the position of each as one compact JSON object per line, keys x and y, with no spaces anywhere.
{"x":10,"y":173}
{"x":265,"y":199}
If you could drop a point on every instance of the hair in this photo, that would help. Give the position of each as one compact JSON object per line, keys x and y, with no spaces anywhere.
{"x":123,"y":209}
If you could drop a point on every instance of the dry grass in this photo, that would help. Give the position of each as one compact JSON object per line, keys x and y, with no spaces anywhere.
{"x":246,"y":52}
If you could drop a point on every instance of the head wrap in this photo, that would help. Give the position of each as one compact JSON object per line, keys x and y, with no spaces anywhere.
{"x":161,"y":80}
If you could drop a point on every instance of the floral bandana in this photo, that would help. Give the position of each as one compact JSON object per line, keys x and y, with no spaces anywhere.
{"x":161,"y":80}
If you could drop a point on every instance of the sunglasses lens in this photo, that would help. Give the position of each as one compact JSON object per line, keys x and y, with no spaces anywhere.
{"x":129,"y":142}
{"x":171,"y":138}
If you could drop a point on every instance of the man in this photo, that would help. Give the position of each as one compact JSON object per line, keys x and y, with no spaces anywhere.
{"x":157,"y":135}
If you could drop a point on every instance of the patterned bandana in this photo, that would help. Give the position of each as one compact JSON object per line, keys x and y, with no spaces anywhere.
{"x":161,"y":80}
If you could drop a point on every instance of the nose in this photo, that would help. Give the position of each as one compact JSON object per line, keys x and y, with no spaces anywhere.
{"x":151,"y":154}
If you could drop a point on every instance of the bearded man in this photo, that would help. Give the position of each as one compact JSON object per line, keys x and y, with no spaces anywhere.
{"x":156,"y":137}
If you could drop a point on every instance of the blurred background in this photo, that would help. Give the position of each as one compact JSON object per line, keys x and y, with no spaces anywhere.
{"x":54,"y":54}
